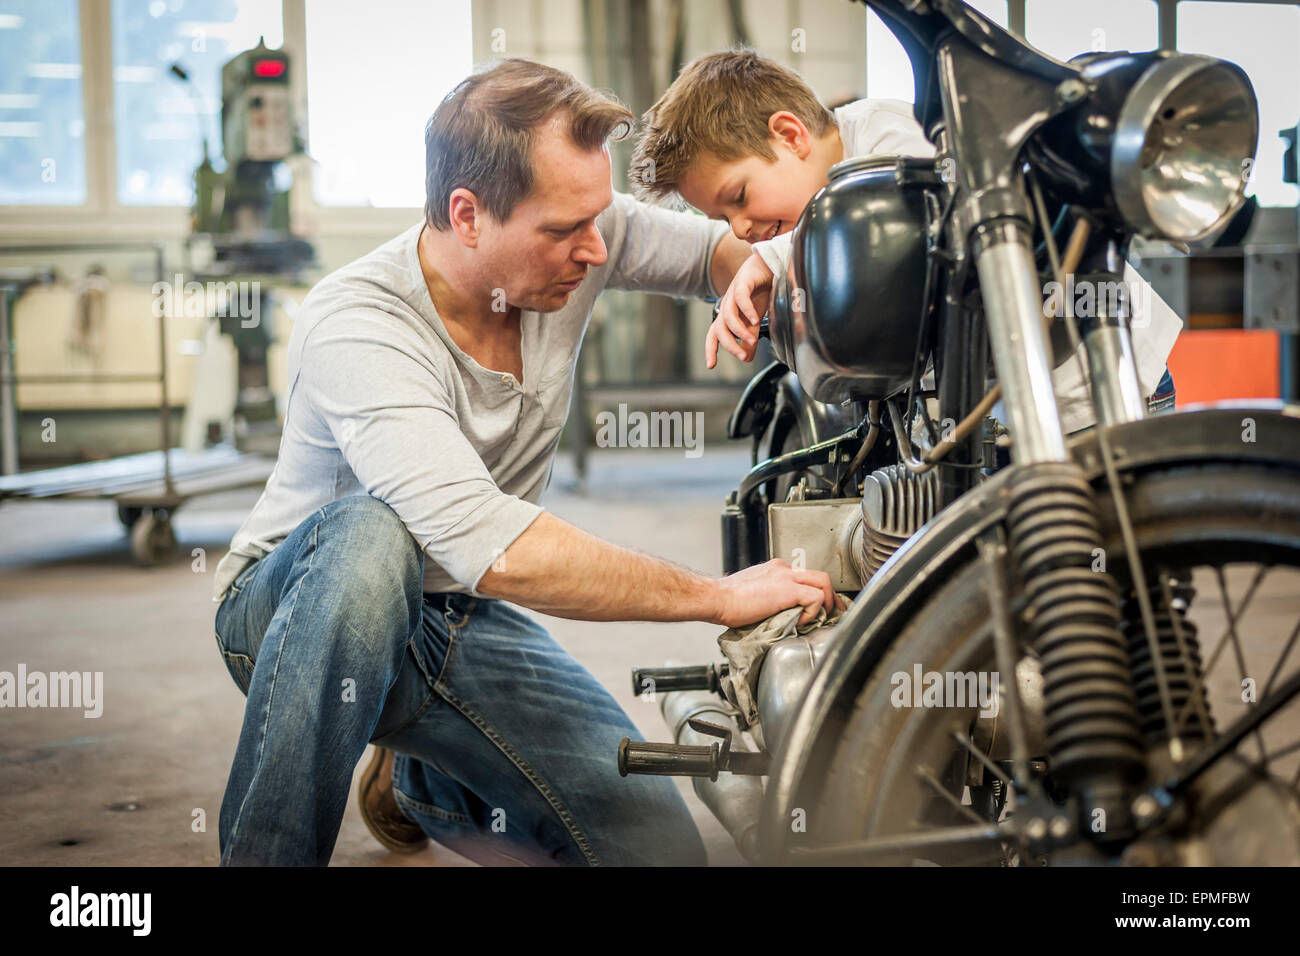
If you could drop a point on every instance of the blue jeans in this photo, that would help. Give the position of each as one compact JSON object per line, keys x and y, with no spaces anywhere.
{"x":1163,"y":398}
{"x":506,"y":746}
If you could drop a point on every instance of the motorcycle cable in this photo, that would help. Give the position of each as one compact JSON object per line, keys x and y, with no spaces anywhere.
{"x":934,"y":234}
{"x":873,"y":432}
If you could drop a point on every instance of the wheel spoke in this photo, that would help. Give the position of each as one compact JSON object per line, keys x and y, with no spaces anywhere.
{"x":981,"y":757}
{"x":993,"y":555}
{"x":909,"y":804}
{"x":1281,"y":658}
{"x":1223,"y":639}
{"x":867,"y":851}
{"x":1236,"y":642}
{"x":1232,"y":737}
{"x":952,"y":801}
{"x":1227,"y":610}
{"x":1283,"y":751}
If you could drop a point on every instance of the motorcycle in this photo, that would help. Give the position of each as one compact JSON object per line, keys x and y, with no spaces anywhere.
{"x":1071,"y":579}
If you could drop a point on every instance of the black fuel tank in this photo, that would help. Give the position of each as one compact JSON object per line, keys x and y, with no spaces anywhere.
{"x":844,"y":317}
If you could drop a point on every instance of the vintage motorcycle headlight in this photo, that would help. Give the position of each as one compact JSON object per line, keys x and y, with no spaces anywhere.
{"x":1184,"y":143}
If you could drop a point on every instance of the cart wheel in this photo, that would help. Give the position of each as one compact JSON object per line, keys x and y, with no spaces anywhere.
{"x":152,"y":540}
{"x":128,"y":516}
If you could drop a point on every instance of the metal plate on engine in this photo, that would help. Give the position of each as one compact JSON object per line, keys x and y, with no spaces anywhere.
{"x":820,"y":535}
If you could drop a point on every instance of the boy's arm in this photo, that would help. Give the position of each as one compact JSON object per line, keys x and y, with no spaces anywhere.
{"x":775,"y":252}
{"x":740,"y":311}
{"x":745,"y":302}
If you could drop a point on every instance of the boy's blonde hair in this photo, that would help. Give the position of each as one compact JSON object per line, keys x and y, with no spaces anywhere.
{"x":719,"y":105}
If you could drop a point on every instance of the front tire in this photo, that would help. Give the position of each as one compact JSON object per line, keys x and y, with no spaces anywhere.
{"x":1206,"y":517}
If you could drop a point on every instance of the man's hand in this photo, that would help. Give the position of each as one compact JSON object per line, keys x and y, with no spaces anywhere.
{"x":739,"y":312}
{"x":758,"y":592}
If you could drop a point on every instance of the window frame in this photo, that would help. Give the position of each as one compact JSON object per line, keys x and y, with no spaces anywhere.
{"x":103,"y":217}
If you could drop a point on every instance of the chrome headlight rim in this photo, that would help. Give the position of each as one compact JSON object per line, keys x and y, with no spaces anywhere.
{"x":1136,"y":118}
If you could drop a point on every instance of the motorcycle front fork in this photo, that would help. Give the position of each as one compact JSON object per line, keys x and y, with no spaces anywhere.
{"x":1073,"y":613}
{"x":1013,"y":302}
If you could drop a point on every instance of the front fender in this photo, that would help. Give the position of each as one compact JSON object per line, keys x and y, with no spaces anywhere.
{"x":1227,"y":432}
{"x":757,"y":404}
{"x":818,"y":421}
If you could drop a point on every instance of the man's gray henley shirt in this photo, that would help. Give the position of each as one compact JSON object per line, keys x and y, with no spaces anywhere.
{"x":382,"y":402}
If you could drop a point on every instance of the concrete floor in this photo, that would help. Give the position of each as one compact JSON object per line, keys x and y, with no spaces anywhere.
{"x":124,"y":788}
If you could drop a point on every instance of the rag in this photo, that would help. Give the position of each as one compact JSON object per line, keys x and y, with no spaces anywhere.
{"x":745,"y":647}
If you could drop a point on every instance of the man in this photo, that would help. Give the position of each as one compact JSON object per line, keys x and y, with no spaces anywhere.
{"x":365,"y":598}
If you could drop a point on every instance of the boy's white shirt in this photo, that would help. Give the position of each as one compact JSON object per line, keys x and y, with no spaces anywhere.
{"x":887,"y":127}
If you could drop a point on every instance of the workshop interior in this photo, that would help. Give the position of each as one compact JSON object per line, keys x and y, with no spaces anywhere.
{"x":1053,"y":645}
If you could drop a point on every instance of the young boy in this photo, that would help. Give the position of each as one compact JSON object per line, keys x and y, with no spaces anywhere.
{"x":742,"y":138}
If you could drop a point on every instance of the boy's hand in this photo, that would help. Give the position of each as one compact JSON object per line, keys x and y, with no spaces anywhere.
{"x":740,"y":310}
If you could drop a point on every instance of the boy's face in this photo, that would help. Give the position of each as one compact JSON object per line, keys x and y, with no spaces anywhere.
{"x":760,"y":198}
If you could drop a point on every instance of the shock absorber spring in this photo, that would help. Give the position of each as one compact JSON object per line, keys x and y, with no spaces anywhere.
{"x":1183,"y":673}
{"x":1073,"y":613}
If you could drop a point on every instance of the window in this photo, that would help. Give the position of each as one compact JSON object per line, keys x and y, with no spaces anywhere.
{"x":889,"y":71}
{"x":160,"y":120}
{"x":370,"y":93}
{"x":1066,"y":30}
{"x":1262,"y":40}
{"x":42,"y":123}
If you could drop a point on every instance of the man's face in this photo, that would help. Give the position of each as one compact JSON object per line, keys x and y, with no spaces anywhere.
{"x":544,"y":249}
{"x":760,"y":198}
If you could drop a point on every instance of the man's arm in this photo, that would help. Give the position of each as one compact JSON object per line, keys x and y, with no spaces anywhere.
{"x":653,"y":249}
{"x":388,"y":413}
{"x":728,"y":256}
{"x":558,"y":569}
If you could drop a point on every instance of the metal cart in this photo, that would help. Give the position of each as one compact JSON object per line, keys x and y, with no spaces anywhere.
{"x":148,"y":487}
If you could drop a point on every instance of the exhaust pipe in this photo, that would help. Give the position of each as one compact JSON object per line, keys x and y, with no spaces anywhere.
{"x":735,"y":799}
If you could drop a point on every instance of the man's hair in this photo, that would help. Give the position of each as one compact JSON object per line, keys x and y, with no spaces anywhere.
{"x":719,"y":105}
{"x":480,"y":137}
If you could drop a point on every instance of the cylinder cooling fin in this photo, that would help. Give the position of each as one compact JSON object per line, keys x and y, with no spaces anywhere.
{"x":895,"y":504}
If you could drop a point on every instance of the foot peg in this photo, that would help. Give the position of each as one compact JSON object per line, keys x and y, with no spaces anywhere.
{"x":686,"y":760}
{"x":668,"y":679}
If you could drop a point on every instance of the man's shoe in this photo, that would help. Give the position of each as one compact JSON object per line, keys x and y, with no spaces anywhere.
{"x":384,"y":818}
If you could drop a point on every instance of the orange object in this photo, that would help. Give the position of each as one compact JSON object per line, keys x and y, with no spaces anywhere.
{"x":1210,"y":365}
